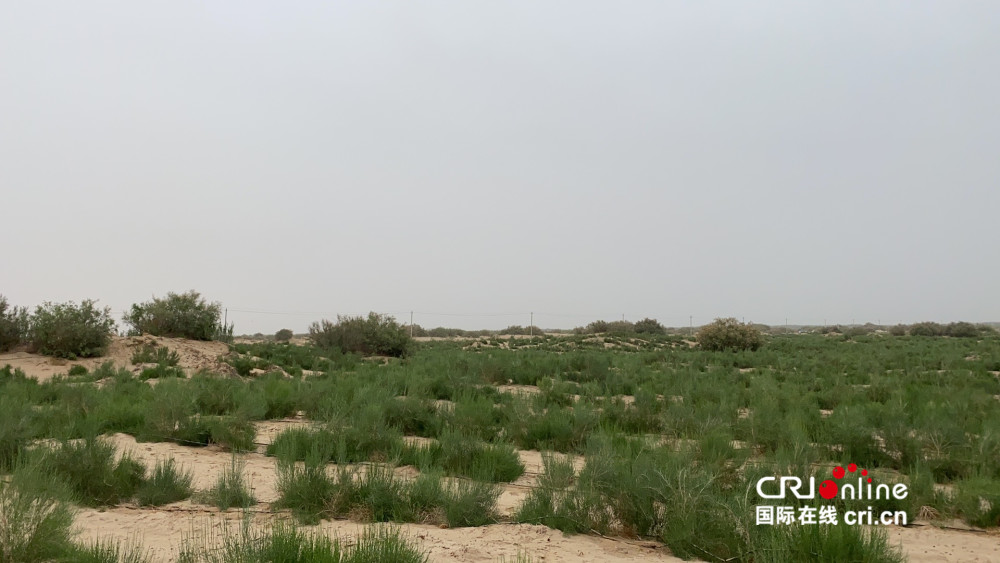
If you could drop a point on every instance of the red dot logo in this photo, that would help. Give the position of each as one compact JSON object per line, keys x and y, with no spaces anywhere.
{"x":838,"y":473}
{"x":828,"y":489}
{"x":869,"y":479}
{"x":852,"y":468}
{"x":865,"y":472}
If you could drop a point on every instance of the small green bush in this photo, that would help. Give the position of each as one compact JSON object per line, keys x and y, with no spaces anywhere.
{"x":283,"y":335}
{"x":522,"y":331}
{"x":729,"y":334}
{"x":153,"y":354}
{"x":285,"y":543}
{"x":649,"y":326}
{"x":108,"y":551}
{"x":231,"y":489}
{"x":166,"y":484}
{"x":13,"y":325}
{"x":183,"y":315}
{"x":466,"y":456}
{"x":612,"y":327}
{"x":32,"y":529}
{"x":962,"y":329}
{"x":89,"y":469}
{"x":16,"y":427}
{"x":305,"y":489}
{"x":824,"y":544}
{"x":927,"y":328}
{"x":68,"y":330}
{"x":376,"y":335}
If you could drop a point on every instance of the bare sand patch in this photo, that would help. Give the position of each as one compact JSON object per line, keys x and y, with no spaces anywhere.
{"x":927,"y":544}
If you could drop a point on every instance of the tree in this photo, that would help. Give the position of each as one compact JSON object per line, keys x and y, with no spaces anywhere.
{"x":13,"y":325}
{"x":283,"y":335}
{"x":649,"y":326}
{"x":377,"y":335}
{"x":72,"y":331}
{"x":183,"y":315}
{"x":729,"y":334}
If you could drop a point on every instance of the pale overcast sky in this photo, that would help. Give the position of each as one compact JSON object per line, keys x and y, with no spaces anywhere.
{"x":582,"y":160}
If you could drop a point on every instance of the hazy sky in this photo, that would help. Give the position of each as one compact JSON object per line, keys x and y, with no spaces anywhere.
{"x":582,"y":160}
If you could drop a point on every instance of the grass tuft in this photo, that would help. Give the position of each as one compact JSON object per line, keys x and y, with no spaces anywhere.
{"x":166,"y":484}
{"x":231,"y":488}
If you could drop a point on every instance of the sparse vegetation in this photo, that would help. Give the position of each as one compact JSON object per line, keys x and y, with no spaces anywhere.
{"x":283,"y":335}
{"x":663,"y":429}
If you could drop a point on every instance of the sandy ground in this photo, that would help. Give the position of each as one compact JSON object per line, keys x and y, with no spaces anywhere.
{"x":927,"y":544}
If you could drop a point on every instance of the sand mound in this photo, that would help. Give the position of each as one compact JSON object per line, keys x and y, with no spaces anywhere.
{"x":195,"y":355}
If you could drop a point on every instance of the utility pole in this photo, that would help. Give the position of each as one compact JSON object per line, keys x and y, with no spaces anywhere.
{"x":531,"y":325}
{"x":411,"y":324}
{"x":691,"y":321}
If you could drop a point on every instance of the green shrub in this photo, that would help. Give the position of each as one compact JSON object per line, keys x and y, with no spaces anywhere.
{"x":108,"y":551}
{"x":166,"y":484}
{"x":466,"y":456}
{"x":32,"y":529}
{"x":823,"y":544}
{"x":522,"y":331}
{"x":283,"y":543}
{"x":233,"y":434}
{"x":13,"y":325}
{"x":729,"y":334}
{"x":898,"y":330}
{"x":161,"y":371}
{"x":377,"y":496}
{"x":384,"y":544}
{"x":68,"y":330}
{"x":962,"y":330}
{"x":305,"y":489}
{"x":649,"y":326}
{"x":283,"y":335}
{"x":16,"y":428}
{"x":612,"y":327}
{"x":90,"y":470}
{"x":376,"y":335}
{"x":978,"y":502}
{"x":471,"y":503}
{"x":153,"y":354}
{"x":184,"y":315}
{"x":927,"y":328}
{"x":231,"y":489}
